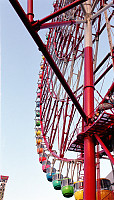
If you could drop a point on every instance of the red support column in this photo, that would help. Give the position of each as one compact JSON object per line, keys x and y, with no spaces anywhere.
{"x":30,"y":10}
{"x":89,"y":149}
{"x":98,"y":195}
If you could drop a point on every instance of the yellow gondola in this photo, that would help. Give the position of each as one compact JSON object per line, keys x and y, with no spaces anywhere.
{"x":105,"y":192}
{"x":78,"y":190}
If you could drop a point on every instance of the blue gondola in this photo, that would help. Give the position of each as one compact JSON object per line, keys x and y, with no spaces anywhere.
{"x":50,"y":172}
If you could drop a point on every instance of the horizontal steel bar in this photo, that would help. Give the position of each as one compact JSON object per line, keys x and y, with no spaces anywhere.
{"x":43,"y":49}
{"x":56,"y":24}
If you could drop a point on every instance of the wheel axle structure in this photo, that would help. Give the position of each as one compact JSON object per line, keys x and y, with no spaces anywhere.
{"x":74,"y":113}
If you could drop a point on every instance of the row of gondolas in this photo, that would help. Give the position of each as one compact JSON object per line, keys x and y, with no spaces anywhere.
{"x":52,"y":175}
{"x":59,"y":183}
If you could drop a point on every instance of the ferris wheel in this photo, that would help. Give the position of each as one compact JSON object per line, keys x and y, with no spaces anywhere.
{"x":74,"y":113}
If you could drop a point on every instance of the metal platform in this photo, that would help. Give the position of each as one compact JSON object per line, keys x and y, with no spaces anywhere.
{"x":103,"y":127}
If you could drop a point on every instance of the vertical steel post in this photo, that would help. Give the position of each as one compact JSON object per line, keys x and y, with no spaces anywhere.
{"x":89,"y":149}
{"x":98,"y":195}
{"x":30,"y":10}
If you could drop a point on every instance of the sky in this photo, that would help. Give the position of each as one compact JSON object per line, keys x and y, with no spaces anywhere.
{"x":20,"y":64}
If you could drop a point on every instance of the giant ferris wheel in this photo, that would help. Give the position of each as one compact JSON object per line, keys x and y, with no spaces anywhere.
{"x":74,"y":113}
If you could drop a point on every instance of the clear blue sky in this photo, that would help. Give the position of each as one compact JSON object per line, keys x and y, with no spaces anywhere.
{"x":20,"y":61}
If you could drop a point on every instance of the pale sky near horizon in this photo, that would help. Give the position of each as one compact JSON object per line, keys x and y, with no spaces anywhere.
{"x":20,"y":64}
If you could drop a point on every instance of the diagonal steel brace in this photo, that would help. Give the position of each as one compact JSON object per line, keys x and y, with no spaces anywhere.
{"x":43,"y":49}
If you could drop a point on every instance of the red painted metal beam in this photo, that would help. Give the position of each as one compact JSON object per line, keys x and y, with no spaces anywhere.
{"x":47,"y":109}
{"x":88,"y":99}
{"x":73,"y":133}
{"x":60,"y":42}
{"x":43,"y":49}
{"x":55,"y":24}
{"x":105,"y":72}
{"x":108,"y":92}
{"x":64,"y":42}
{"x":105,"y":148}
{"x":55,"y":131}
{"x":49,"y":117}
{"x":110,"y":17}
{"x":113,"y":56}
{"x":30,"y":10}
{"x":98,"y":174}
{"x":67,"y":133}
{"x":60,"y":11}
{"x":102,"y":29}
{"x":96,"y":71}
{"x":53,"y":124}
{"x":63,"y":132}
{"x":102,"y":62}
{"x":68,"y":43}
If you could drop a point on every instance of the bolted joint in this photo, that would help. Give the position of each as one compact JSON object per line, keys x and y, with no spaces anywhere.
{"x":36,"y":25}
